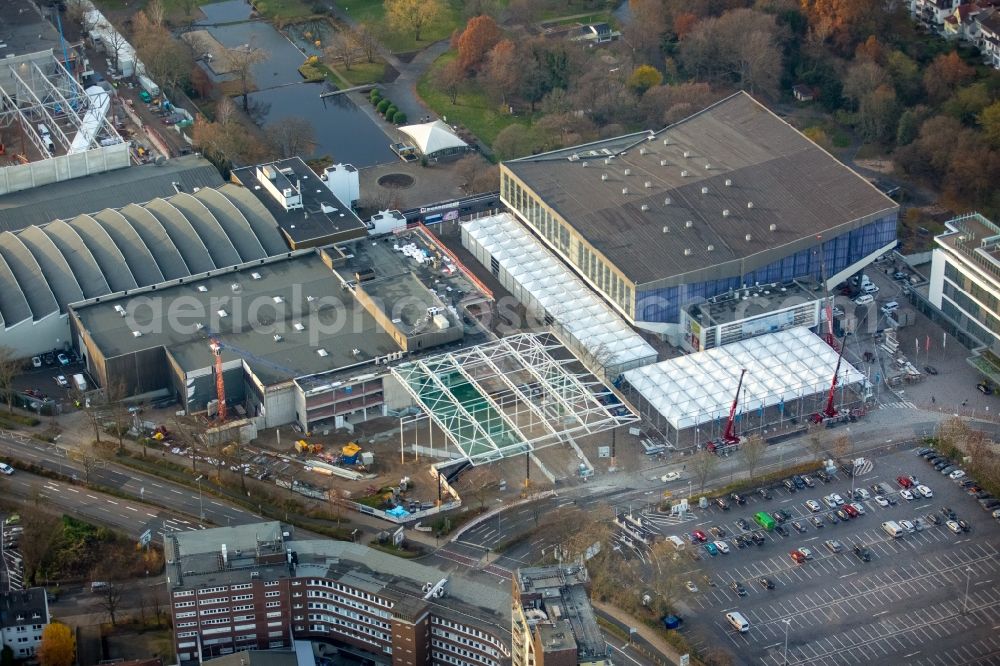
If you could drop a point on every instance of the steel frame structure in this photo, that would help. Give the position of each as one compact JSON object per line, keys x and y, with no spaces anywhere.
{"x":29,"y":95}
{"x":521,"y":393}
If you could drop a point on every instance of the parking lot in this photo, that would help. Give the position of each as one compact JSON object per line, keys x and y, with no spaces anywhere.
{"x":907,"y":603}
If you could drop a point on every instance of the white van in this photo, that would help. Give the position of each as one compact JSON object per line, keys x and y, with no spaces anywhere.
{"x":738,"y":622}
{"x":677,"y":541}
{"x":864,"y":299}
{"x":869,"y":288}
{"x":892,"y":528}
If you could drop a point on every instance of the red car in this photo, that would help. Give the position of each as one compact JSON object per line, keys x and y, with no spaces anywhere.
{"x":699,"y":535}
{"x":904,"y":481}
{"x":797,"y":557}
{"x":851,"y":511}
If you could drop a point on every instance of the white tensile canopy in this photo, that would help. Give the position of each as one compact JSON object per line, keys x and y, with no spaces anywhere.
{"x":433,"y":137}
{"x":781,"y":367}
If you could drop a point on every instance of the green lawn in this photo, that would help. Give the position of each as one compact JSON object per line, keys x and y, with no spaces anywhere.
{"x":373,"y":11}
{"x":473,"y":108}
{"x":362,"y":72}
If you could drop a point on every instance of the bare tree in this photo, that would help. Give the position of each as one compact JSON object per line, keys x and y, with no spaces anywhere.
{"x":41,"y":530}
{"x":115,"y":394}
{"x":154,"y":11}
{"x":9,"y":368}
{"x":292,"y":137}
{"x":752,"y":450}
{"x":703,"y":464}
{"x":114,"y":45}
{"x":87,"y":460}
{"x":343,"y":47}
{"x":187,"y":433}
{"x":479,"y":482}
{"x":843,"y":446}
{"x":76,"y":12}
{"x":156,"y":605}
{"x":367,"y":41}
{"x":241,"y":63}
{"x":816,"y":440}
{"x":111,"y":599}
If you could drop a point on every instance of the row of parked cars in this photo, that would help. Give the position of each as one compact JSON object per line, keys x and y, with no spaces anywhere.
{"x":946,"y":466}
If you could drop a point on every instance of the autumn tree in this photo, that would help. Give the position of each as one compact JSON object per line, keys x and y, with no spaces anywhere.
{"x":412,"y":15}
{"x":742,"y":47}
{"x":449,"y":79}
{"x":41,"y":532}
{"x":702,"y":464}
{"x":644,"y":77}
{"x":515,"y":140}
{"x":666,"y":104}
{"x":241,"y":63}
{"x":10,"y":366}
{"x":225,"y":140}
{"x":500,"y":73}
{"x":342,"y":47}
{"x":292,"y":137}
{"x":945,"y":74}
{"x":168,"y":60}
{"x":58,"y":646}
{"x":989,"y":121}
{"x":481,"y":34}
{"x":646,"y":29}
{"x":751,"y":451}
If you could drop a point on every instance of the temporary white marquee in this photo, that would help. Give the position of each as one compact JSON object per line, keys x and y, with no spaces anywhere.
{"x":532,"y":272}
{"x":435,"y":137}
{"x":781,"y":367}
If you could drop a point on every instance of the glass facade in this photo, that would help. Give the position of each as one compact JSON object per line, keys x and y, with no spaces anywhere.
{"x":663,"y":305}
{"x":966,"y":297}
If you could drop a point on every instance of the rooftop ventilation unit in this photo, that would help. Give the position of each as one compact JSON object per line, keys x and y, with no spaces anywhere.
{"x":202,"y":288}
{"x":710,"y":248}
{"x":628,"y":172}
{"x":642,"y":151}
{"x":687,"y":153}
{"x":663,"y":163}
{"x":666,"y":229}
{"x":356,"y":352}
{"x":574,"y":157}
{"x":666,"y":142}
{"x":607,"y":160}
{"x":684,"y":173}
{"x":644,"y":206}
{"x":120,"y":310}
{"x":725,"y":213}
{"x":689,"y":224}
{"x":322,"y":352}
{"x":748,"y":237}
{"x":648,"y":184}
{"x":255,"y":276}
{"x":708,"y":167}
{"x":667,"y":201}
{"x":604,"y":176}
{"x":136,"y":334}
{"x":749,"y":204}
{"x":278,"y":338}
{"x":729,"y":182}
{"x":234,"y":287}
{"x":773,"y":227}
{"x":624,"y":190}
{"x":222,"y":313}
{"x":278,"y":299}
{"x":584,"y":165}
{"x":298,"y":326}
{"x":199,"y":326}
{"x":704,"y":190}
{"x":687,"y":252}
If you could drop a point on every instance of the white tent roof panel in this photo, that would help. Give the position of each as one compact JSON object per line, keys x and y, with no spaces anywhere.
{"x":782,"y":366}
{"x":564,"y":296}
{"x":432,"y":137}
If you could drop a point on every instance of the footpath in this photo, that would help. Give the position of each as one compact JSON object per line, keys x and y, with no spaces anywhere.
{"x":651,"y":637}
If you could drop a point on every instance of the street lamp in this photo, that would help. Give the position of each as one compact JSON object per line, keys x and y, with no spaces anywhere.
{"x":788,"y":623}
{"x":201,"y":503}
{"x":968,"y":578}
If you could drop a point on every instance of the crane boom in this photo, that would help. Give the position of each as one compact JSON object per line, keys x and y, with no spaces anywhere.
{"x":830,"y":339}
{"x":220,"y":385}
{"x":727,"y":436}
{"x":830,"y":411}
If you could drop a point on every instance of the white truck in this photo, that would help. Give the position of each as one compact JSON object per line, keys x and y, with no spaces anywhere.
{"x":892,"y":528}
{"x":80,"y":382}
{"x":149,"y":85}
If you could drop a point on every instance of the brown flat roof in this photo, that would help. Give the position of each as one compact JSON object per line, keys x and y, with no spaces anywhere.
{"x":729,"y":171}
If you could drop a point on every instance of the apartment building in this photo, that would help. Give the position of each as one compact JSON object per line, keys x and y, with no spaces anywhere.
{"x":253,"y":587}
{"x":552,"y":622}
{"x":23,"y":616}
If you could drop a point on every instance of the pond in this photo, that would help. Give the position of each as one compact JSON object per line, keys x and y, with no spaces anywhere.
{"x":283,"y":61}
{"x":225,"y":12}
{"x":342,"y":130}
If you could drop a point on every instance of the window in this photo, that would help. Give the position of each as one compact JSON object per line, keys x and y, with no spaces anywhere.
{"x":274,"y":593}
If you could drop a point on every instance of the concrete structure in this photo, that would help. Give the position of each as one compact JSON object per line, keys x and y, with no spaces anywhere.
{"x":344,"y":181}
{"x":965,"y":282}
{"x":788,"y":375}
{"x":254,"y":588}
{"x":23,"y":616}
{"x":44,"y":269}
{"x":308,"y":212}
{"x":552,"y":622}
{"x":728,"y":197}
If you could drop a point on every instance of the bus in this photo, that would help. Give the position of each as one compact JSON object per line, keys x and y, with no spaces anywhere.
{"x":764,"y":520}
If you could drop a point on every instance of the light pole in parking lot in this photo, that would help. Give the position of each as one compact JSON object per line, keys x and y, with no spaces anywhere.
{"x":968,"y":578}
{"x":788,"y":623}
{"x":201,"y":505}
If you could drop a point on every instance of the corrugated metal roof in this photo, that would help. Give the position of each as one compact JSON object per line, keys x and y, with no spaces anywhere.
{"x":234,"y":223}
{"x":111,"y":189}
{"x":61,"y":277}
{"x":14,"y":306}
{"x":137,"y":254}
{"x":28,"y":276}
{"x":88,"y":273}
{"x":152,"y":233}
{"x":260,"y":219}
{"x":111,"y":260}
{"x":187,"y":240}
{"x":220,"y":246}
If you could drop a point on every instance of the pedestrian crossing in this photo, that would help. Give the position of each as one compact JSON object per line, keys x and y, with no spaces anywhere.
{"x":902,"y":404}
{"x":865,"y":468}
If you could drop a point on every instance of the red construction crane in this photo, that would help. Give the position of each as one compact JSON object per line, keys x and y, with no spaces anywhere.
{"x":828,"y":300}
{"x":220,"y":385}
{"x":728,"y":437}
{"x":830,"y":411}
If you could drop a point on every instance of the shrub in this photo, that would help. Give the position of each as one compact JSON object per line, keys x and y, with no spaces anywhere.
{"x":390,"y":112}
{"x":375,"y":96}
{"x":399,"y":117}
{"x":383,"y":105}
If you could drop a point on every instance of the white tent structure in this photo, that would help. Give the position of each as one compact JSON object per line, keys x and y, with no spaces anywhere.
{"x":435,"y":139}
{"x":782,"y":368}
{"x":555,"y":295}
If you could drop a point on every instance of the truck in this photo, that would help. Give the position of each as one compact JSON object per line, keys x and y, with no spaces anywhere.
{"x":892,"y":528}
{"x":80,"y":382}
{"x":764,"y":520}
{"x":149,"y":85}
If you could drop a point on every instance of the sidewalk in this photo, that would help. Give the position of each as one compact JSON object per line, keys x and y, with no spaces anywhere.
{"x":647,"y":633}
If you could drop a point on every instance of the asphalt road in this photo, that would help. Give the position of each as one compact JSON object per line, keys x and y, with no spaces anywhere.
{"x":907,"y":604}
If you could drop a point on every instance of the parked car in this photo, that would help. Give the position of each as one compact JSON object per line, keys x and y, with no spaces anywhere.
{"x":904,"y":481}
{"x":764,"y":492}
{"x":863,"y":553}
{"x":823,"y":476}
{"x":843,"y":515}
{"x":799,"y":482}
{"x":808,"y":481}
{"x":691,"y":587}
{"x":778,"y":517}
{"x":830,"y":502}
{"x":670,"y":476}
{"x":954,"y":526}
{"x":722,"y":547}
{"x":945,"y":511}
{"x":62,"y":358}
{"x":966,"y":527}
{"x":717,"y":531}
{"x":766,"y":583}
{"x":833,"y":545}
{"x":813,"y":505}
{"x":737,"y":587}
{"x":789,"y":486}
{"x":799,"y":558}
{"x":907,"y":525}
{"x":712,"y":550}
{"x":832,"y":518}
{"x":857,"y":506}
{"x":743,"y":524}
{"x":956,"y":475}
{"x":699,"y":536}
{"x":798,"y":526}
{"x":851,"y":511}
{"x":780,"y":529}
{"x":36,"y":361}
{"x":925,"y":491}
{"x":934,"y":518}
{"x":949,"y":469}
{"x":62,"y":381}
{"x":6,"y":469}
{"x":838,"y":499}
{"x":861,"y":494}
{"x":816,"y":521}
{"x":881,"y":501}
{"x":906,"y":494}
{"x":739,"y":499}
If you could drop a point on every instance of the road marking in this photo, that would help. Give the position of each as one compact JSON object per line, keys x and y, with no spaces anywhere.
{"x":132,"y":509}
{"x":983,"y":582}
{"x":880,"y":613}
{"x":111,"y":501}
{"x":151,"y":515}
{"x":73,"y":490}
{"x":849,"y":574}
{"x":176,"y":491}
{"x":92,"y":497}
{"x":907,"y":656}
{"x":216,"y":503}
{"x":155,"y":484}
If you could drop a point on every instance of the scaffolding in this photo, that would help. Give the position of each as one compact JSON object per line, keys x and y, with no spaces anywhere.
{"x":511,"y":396}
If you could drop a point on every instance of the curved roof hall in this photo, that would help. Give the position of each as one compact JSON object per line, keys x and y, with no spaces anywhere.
{"x":187,"y":240}
{"x":111,"y":260}
{"x":81,"y":259}
{"x":44,"y":269}
{"x":220,"y":244}
{"x":28,"y":275}
{"x":50,"y":258}
{"x":137,"y":254}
